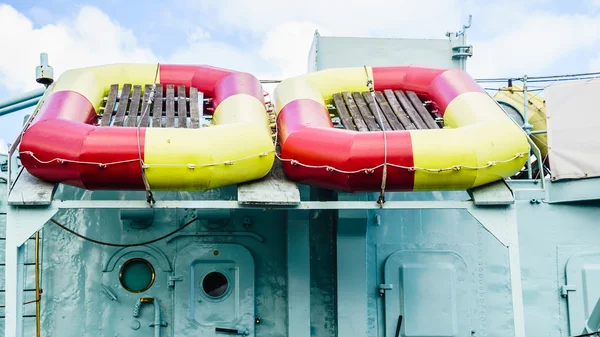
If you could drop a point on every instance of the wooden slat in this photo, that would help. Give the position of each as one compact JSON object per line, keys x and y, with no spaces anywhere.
{"x":388,"y":112}
{"x":145,"y":115}
{"x":496,"y":193}
{"x":427,"y":118}
{"x":123,"y":100}
{"x":157,"y":107}
{"x":194,"y":114}
{"x":343,"y":112}
{"x":398,"y":111}
{"x":134,"y":106}
{"x":354,"y":112}
{"x":110,"y":105}
{"x":410,"y":110}
{"x":365,"y":112}
{"x":170,"y":108}
{"x":181,"y":107}
{"x":274,"y":189}
{"x":375,"y":109}
{"x":31,"y":191}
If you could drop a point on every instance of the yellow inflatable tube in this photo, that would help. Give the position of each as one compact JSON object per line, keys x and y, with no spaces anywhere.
{"x":237,"y":149}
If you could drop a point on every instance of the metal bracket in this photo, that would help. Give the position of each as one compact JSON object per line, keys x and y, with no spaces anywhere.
{"x":163,"y":323}
{"x":564,"y":290}
{"x":383,"y":287}
{"x":172,"y":279}
{"x":106,"y":290}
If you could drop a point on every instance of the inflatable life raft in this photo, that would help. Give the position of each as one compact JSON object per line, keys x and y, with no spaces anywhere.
{"x":512,"y":100}
{"x":63,"y":144}
{"x":479,"y":143}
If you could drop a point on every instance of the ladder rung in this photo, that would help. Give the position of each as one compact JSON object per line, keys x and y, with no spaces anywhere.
{"x":3,"y":239}
{"x":26,"y":264}
{"x":3,"y":291}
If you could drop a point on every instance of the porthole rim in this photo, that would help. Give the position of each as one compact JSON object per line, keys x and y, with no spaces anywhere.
{"x":152,"y":274}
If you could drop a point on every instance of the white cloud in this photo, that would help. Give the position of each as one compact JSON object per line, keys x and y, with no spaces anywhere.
{"x":426,"y":18}
{"x":535,"y":45}
{"x":41,"y":15}
{"x":509,"y":41}
{"x":594,"y":64}
{"x":73,"y":42}
{"x":218,"y":54}
{"x":198,"y":34}
{"x":287,"y":46}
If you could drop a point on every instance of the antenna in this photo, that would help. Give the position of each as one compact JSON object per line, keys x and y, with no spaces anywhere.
{"x":465,"y":27}
{"x":44,"y":74}
{"x":460,"y":50}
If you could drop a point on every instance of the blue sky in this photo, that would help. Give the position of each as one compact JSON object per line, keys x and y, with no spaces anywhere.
{"x":271,"y":38}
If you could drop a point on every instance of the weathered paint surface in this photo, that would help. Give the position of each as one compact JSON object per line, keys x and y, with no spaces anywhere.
{"x":550,"y":234}
{"x":443,"y":249}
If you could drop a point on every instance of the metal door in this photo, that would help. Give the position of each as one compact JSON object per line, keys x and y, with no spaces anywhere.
{"x":430,"y":289}
{"x":582,"y":288}
{"x":214,"y":291}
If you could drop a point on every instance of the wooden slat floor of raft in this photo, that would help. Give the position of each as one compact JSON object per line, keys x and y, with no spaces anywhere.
{"x":399,"y":111}
{"x":173,"y":107}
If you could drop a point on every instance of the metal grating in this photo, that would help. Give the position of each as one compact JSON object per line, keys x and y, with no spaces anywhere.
{"x":400,"y":111}
{"x":173,"y":107}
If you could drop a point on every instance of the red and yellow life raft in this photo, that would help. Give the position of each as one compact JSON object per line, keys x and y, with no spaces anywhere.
{"x":62,"y":144}
{"x":478,"y":144}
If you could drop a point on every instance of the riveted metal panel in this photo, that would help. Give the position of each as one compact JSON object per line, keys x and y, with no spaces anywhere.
{"x":196,"y":312}
{"x":431,"y":292}
{"x":583,"y":276}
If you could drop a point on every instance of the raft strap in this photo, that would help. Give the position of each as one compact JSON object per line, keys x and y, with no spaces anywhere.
{"x":381,"y":199}
{"x":149,"y":195}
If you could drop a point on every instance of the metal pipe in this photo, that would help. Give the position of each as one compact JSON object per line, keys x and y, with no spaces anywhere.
{"x":38,"y":296}
{"x":150,"y":300}
{"x":533,"y":146}
{"x":537,"y":132}
{"x":540,"y":162}
{"x":462,"y":56}
{"x":44,"y":59}
{"x":23,"y":97}
{"x":463,"y":40}
{"x":526,"y":126}
{"x":138,"y":218}
{"x":17,"y":142}
{"x":19,"y":106}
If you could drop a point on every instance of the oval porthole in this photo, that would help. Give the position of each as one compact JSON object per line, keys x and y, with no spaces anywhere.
{"x":215,"y":284}
{"x":136,"y":275}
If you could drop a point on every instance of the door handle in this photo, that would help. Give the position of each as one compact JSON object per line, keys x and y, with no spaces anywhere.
{"x":233,"y":331}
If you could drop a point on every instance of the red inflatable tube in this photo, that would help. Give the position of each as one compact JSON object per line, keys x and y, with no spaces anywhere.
{"x":63,"y":144}
{"x":310,"y":144}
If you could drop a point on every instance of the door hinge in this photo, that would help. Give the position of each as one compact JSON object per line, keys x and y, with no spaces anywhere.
{"x":172,"y":279}
{"x":564,"y":290}
{"x":383,"y":287}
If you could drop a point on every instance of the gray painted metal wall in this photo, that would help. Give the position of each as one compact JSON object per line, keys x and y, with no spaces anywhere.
{"x":440,"y":269}
{"x":340,"y":52}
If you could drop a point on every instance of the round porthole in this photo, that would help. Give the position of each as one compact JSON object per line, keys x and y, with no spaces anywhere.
{"x":137,"y":275}
{"x":215,"y":284}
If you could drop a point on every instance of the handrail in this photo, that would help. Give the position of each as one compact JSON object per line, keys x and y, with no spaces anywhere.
{"x":17,"y":141}
{"x":19,"y":106}
{"x":22,"y":98}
